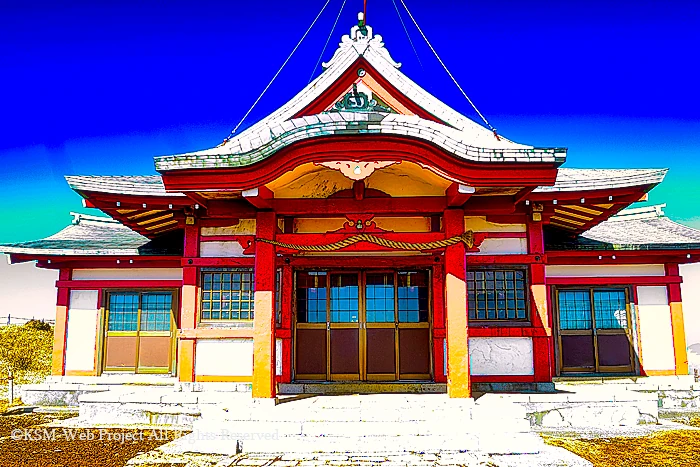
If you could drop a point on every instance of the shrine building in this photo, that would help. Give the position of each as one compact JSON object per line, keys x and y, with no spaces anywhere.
{"x":366,"y":232}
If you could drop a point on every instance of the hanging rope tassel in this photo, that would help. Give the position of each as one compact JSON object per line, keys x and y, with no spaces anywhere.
{"x":467,"y":238}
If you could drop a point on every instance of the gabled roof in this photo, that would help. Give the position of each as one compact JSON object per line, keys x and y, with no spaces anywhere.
{"x":644,"y":228}
{"x":93,"y":235}
{"x":357,"y":55}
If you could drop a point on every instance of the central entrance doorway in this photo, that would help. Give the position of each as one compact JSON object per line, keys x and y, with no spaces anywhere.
{"x":367,"y":325}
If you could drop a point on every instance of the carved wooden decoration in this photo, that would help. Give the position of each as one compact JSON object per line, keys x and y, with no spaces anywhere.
{"x":356,"y":170}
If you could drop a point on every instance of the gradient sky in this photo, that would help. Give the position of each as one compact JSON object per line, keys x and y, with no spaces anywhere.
{"x":102,"y":87}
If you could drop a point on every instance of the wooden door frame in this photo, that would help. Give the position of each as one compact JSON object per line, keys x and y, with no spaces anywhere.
{"x":361,"y":325}
{"x":593,"y":332}
{"x":104,"y":334}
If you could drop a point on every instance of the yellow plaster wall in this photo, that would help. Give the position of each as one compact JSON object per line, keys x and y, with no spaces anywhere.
{"x":309,"y":181}
{"x":244,"y":227}
{"x":403,"y":224}
{"x":407,"y":180}
{"x":480,"y":224}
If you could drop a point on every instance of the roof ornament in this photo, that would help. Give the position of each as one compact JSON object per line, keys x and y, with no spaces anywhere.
{"x":362,"y":39}
{"x":357,"y":101}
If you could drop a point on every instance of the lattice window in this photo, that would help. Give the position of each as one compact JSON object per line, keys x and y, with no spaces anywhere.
{"x":142,"y":311}
{"x":575,"y":309}
{"x":497,"y":294}
{"x":379,"y":300}
{"x":345,"y":298}
{"x":123,"y":311}
{"x":156,"y":311}
{"x":610,"y":307}
{"x":311,"y":296}
{"x":228,"y":294}
{"x":413,"y":295}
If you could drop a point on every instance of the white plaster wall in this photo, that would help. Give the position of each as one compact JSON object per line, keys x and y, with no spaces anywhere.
{"x":81,"y":337}
{"x":609,"y":270}
{"x":132,"y":274}
{"x":655,"y":330}
{"x":480,"y":224}
{"x":690,"y":290}
{"x":224,"y":357}
{"x":502,"y":246}
{"x":501,"y":356}
{"x":220,"y":249}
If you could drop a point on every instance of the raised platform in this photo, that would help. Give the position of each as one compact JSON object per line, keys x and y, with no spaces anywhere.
{"x":341,"y":387}
{"x":574,"y":403}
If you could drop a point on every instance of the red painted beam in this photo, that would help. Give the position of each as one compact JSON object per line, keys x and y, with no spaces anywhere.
{"x":260,"y":197}
{"x":135,"y":201}
{"x":505,"y":259}
{"x":361,"y":261}
{"x":493,"y":205}
{"x":624,"y":195}
{"x":216,"y":262}
{"x":458,"y":194}
{"x":342,"y":206}
{"x":623,"y":256}
{"x":230,"y":209}
{"x":119,"y":284}
{"x":627,"y":280}
{"x":523,"y":194}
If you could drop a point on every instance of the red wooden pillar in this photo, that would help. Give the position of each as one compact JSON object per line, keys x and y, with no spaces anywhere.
{"x":287,"y":305}
{"x":264,"y":322}
{"x":61,"y":328}
{"x":675,"y":301}
{"x":439,"y":355}
{"x":458,"y":381}
{"x":542,"y":344}
{"x":188,"y":307}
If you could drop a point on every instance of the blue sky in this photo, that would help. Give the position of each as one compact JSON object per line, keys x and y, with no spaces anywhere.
{"x":102,"y":87}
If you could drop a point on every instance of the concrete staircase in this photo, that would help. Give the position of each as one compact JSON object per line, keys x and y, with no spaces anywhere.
{"x":370,"y":423}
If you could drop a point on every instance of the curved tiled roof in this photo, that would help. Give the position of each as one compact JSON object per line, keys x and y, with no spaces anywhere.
{"x":459,"y":135}
{"x":277,"y":135}
{"x":600,"y":179}
{"x":150,"y":185}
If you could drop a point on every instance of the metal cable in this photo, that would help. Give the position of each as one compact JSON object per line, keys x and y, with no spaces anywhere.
{"x":406,"y":31}
{"x":320,"y":57}
{"x":448,"y":71}
{"x":279,"y":71}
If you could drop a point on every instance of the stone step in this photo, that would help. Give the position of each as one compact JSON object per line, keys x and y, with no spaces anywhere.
{"x":493,"y":443}
{"x":355,"y":428}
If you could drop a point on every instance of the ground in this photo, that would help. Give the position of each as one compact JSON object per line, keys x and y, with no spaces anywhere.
{"x":42,"y":440}
{"x":38,"y":440}
{"x":658,"y":446}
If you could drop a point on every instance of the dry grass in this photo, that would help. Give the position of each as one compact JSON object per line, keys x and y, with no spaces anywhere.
{"x":663,"y":449}
{"x":103,"y":448}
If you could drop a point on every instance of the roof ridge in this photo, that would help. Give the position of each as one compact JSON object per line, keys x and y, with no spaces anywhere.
{"x":653,"y":211}
{"x":87,"y":219}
